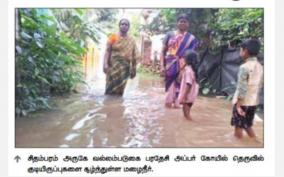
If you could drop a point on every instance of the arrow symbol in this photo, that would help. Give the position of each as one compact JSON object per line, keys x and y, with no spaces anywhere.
{"x":17,"y":158}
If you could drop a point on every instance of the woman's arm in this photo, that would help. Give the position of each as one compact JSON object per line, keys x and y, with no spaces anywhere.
{"x":164,"y":53}
{"x":133,"y":69}
{"x":242,"y":88}
{"x":107,"y":58}
{"x":136,"y":57}
{"x":162,"y":59}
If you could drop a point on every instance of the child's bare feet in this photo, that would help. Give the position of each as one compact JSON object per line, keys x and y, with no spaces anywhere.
{"x":176,"y":105}
{"x":168,"y":105}
{"x":189,"y":118}
{"x":255,"y":139}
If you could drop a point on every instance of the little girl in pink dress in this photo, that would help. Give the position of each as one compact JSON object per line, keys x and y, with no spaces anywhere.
{"x":189,"y":85}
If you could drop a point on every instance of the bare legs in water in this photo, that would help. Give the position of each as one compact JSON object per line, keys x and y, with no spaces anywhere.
{"x":186,"y":110}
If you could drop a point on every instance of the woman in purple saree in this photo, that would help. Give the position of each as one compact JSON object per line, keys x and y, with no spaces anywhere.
{"x":174,"y":46}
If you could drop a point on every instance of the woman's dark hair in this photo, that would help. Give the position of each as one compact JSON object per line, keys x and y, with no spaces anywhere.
{"x":124,"y":19}
{"x":191,"y":58}
{"x":252,"y":45}
{"x":183,"y":16}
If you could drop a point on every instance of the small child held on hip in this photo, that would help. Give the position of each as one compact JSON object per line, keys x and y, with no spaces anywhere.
{"x":246,"y":97}
{"x":189,"y":86}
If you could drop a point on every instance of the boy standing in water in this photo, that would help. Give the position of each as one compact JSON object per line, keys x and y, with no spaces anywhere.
{"x":246,"y":98}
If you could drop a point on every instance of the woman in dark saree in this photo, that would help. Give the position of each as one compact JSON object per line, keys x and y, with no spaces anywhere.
{"x":174,"y":46}
{"x":120,"y":59}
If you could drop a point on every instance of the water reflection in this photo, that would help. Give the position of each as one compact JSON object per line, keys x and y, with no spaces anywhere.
{"x":138,"y":119}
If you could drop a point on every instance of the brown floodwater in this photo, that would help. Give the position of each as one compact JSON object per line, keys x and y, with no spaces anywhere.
{"x":138,"y":119}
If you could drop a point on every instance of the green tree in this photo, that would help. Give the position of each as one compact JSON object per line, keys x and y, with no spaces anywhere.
{"x":234,"y":25}
{"x":46,"y":60}
{"x":49,"y":46}
{"x":135,"y":27}
{"x":214,"y":27}
{"x":81,"y":24}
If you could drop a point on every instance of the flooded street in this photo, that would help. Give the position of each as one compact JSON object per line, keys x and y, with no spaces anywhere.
{"x":138,"y":119}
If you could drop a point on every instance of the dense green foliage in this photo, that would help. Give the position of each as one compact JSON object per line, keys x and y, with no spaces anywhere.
{"x":49,"y":46}
{"x":214,"y":27}
{"x":235,"y":25}
{"x":81,"y":24}
{"x":46,"y":61}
